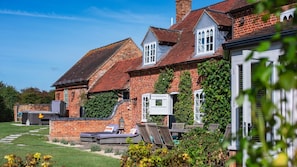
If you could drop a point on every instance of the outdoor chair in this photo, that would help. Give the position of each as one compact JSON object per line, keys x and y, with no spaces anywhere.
{"x":227,"y":134}
{"x":142,"y":130}
{"x":166,"y":136}
{"x":196,"y":125}
{"x":155,"y":134}
{"x":213,"y":127}
{"x":177,"y":126}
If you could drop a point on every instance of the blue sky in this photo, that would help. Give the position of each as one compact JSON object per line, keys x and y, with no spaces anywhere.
{"x":41,"y":39}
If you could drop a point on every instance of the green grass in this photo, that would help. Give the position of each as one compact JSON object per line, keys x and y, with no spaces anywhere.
{"x":6,"y":128}
{"x":62,"y":156}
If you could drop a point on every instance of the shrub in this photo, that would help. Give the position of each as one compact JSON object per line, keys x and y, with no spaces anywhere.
{"x":142,"y":154}
{"x":204,"y":148}
{"x":55,"y":140}
{"x":63,"y":141}
{"x":95,"y":147}
{"x":117,"y":152}
{"x":108,"y":150}
{"x":31,"y":160}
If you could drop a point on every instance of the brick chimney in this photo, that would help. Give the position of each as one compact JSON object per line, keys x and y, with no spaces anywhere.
{"x":183,"y":7}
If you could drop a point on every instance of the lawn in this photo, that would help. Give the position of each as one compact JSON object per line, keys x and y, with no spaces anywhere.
{"x":62,"y":156}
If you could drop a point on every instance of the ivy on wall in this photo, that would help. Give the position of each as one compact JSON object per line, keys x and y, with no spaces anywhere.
{"x":163,"y":83}
{"x":101,"y":105}
{"x":216,"y":86}
{"x":184,"y":105}
{"x":161,"y":87}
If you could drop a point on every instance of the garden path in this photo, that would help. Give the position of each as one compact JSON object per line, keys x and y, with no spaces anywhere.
{"x":8,"y":139}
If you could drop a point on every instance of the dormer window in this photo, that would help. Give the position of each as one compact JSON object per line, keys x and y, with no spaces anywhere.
{"x":205,"y":40}
{"x":150,"y":53}
{"x":287,"y":15}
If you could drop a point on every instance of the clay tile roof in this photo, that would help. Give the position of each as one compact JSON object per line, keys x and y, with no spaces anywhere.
{"x":189,"y":21}
{"x":238,"y":4}
{"x":220,"y":18}
{"x":88,"y":64}
{"x":166,"y":35}
{"x":184,"y":49}
{"x":225,"y":6}
{"x":117,"y":77}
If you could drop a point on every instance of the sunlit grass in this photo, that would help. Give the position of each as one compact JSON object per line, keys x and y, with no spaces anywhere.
{"x":7,"y":128}
{"x":36,"y":142}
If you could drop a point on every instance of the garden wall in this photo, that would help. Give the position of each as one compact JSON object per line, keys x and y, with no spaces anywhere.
{"x":29,"y":107}
{"x":70,"y":128}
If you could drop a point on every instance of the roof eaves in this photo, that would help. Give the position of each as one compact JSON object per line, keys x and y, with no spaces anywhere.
{"x":254,"y":40}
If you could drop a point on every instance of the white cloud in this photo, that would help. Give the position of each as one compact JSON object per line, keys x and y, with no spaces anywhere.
{"x":40,"y":15}
{"x":127,"y":16}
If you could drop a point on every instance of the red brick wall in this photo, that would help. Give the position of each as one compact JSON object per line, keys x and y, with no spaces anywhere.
{"x":143,"y":82}
{"x":74,"y":99}
{"x":29,"y":107}
{"x":251,"y":23}
{"x":140,"y":84}
{"x":70,"y":129}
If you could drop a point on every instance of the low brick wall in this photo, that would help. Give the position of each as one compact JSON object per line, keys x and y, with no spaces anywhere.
{"x":29,"y":107}
{"x":70,"y":128}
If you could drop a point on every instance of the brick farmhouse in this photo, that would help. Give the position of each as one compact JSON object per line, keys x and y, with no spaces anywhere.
{"x":228,"y":28}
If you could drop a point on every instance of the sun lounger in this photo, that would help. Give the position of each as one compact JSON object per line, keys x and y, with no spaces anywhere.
{"x":91,"y":136}
{"x":117,"y":138}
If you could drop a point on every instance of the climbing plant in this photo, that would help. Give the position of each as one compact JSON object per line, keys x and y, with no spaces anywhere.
{"x":161,"y":87}
{"x":163,"y":83}
{"x":216,"y":87}
{"x":184,"y":105}
{"x":101,"y":105}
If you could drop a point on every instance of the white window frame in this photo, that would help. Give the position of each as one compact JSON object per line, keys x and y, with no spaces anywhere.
{"x":198,"y":101}
{"x":155,"y":104}
{"x":160,"y":104}
{"x":203,"y":44}
{"x":246,"y":84}
{"x":145,"y":100}
{"x":286,"y":14}
{"x":150,"y":53}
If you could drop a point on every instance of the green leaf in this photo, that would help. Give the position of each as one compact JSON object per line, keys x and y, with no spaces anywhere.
{"x":265,"y":45}
{"x":287,"y":80}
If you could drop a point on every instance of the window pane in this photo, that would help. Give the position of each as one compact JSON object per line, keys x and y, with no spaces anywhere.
{"x":202,"y":42}
{"x":205,"y":40}
{"x":199,"y":99}
{"x":150,"y":53}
